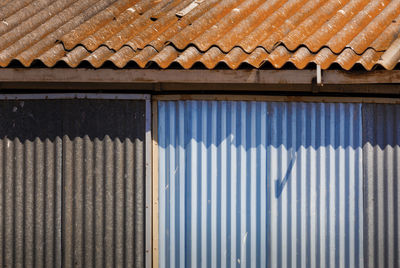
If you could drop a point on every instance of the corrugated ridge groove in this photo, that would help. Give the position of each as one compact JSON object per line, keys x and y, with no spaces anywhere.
{"x":9,"y":9}
{"x":291,"y":39}
{"x":94,"y":23}
{"x":40,"y":19}
{"x":48,"y":48}
{"x":14,"y":47}
{"x":291,"y":190}
{"x":20,"y":16}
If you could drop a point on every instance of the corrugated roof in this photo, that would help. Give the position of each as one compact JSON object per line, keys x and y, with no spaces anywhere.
{"x":210,"y":32}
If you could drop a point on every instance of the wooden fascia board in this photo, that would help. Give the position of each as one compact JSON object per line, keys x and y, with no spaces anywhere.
{"x":157,"y":76}
{"x":170,"y":79}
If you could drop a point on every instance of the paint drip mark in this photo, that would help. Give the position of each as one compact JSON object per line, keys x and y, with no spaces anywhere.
{"x":280,"y":185}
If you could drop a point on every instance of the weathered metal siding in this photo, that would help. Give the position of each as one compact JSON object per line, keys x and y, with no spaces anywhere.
{"x":104,"y":191}
{"x":381,"y":139}
{"x":30,"y":185}
{"x":260,"y":184}
{"x":72,"y":186}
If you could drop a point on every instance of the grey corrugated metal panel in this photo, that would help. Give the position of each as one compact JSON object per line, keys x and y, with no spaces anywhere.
{"x":30,"y":186}
{"x":72,"y":183}
{"x":381,"y":139}
{"x":260,"y":184}
{"x":104,"y":194}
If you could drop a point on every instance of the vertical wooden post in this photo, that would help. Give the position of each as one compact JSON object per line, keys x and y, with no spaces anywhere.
{"x":155,"y":184}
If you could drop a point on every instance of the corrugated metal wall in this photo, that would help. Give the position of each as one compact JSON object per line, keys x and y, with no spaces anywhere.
{"x":287,"y":194}
{"x":381,"y":139}
{"x":72,"y":183}
{"x":104,"y":189}
{"x":30,"y":185}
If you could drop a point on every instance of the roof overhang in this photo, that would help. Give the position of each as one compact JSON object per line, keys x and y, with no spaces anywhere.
{"x":191,"y":81}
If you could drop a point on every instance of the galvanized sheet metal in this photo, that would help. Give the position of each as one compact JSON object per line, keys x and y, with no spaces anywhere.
{"x":381,"y":139}
{"x":260,"y":184}
{"x":30,"y":185}
{"x":300,"y":32}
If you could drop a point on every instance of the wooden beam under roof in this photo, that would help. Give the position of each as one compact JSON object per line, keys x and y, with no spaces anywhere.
{"x":380,"y":81}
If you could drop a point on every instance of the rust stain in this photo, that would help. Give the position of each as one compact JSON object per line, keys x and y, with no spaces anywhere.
{"x":229,"y":32}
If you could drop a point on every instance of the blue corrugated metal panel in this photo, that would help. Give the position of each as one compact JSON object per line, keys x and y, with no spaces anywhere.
{"x":381,"y":135}
{"x":258,"y":184}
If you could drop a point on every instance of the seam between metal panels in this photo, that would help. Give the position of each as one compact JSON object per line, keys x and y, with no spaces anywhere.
{"x":3,"y":219}
{"x":63,"y":202}
{"x":148,"y":186}
{"x":364,"y":186}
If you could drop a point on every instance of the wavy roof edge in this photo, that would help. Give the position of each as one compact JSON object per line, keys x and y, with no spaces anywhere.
{"x":280,"y":58}
{"x":151,"y":65}
{"x":205,"y":33}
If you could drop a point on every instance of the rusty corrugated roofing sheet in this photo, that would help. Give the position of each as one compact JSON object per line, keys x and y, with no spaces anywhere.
{"x":346,"y":32}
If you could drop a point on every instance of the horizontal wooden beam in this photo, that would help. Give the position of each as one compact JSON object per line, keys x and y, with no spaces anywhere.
{"x":336,"y":77}
{"x":196,"y":76}
{"x":157,"y":76}
{"x":339,"y":81}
